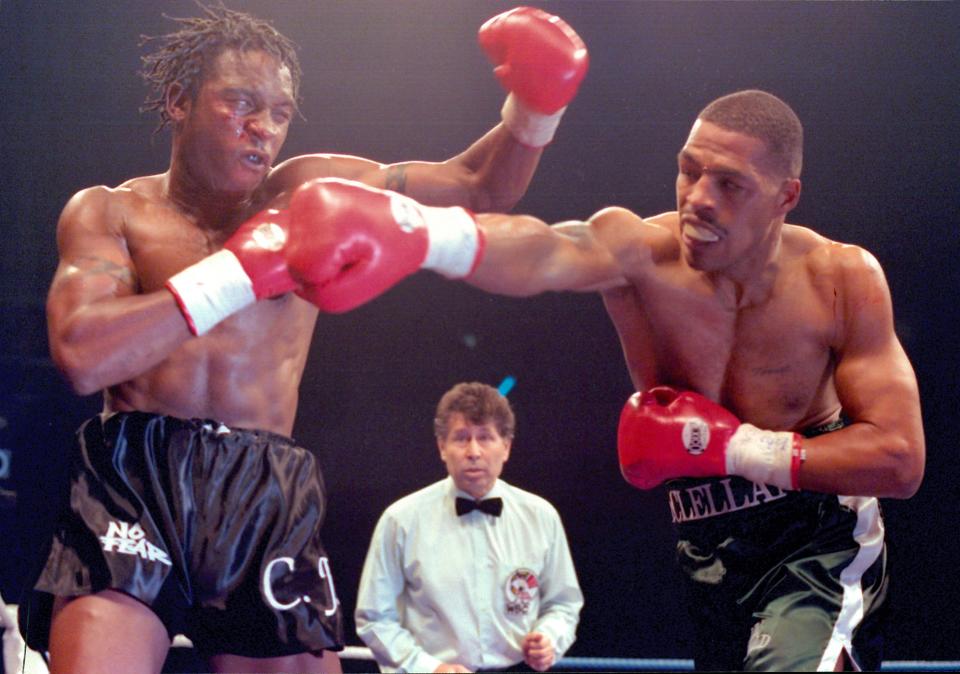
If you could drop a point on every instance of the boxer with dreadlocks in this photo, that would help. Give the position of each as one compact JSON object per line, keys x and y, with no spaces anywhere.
{"x":182,"y":296}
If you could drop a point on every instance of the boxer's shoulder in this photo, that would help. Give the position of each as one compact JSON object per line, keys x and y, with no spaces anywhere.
{"x":638,"y":243}
{"x":295,"y":171}
{"x":121,"y":200}
{"x":825,"y":258}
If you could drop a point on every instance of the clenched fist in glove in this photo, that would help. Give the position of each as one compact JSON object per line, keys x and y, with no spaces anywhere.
{"x":541,"y":61}
{"x":338,"y":244}
{"x":251,"y":266}
{"x":370,"y":239}
{"x":666,"y":434}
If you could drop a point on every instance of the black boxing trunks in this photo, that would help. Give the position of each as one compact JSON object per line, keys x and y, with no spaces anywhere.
{"x":780,"y":580}
{"x":217,"y":530}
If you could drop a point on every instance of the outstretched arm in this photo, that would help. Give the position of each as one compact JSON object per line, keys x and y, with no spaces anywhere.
{"x":524,"y":256}
{"x":365,"y":240}
{"x":540,"y":61}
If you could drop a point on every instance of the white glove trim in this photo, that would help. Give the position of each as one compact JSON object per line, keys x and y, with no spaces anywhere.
{"x":210,"y":290}
{"x":453,"y":240}
{"x":762,"y":456}
{"x":532,"y":128}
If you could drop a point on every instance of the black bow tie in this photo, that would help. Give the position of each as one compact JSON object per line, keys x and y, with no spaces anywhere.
{"x":491,"y":506}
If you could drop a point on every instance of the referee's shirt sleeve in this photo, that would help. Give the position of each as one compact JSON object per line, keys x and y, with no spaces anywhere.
{"x":561,"y":598}
{"x":377,"y":620}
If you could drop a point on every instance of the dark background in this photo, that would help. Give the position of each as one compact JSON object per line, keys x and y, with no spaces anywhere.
{"x":876,"y":85}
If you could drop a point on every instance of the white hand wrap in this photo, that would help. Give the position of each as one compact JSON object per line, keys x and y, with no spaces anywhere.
{"x":533,"y":129}
{"x":210,"y":290}
{"x":454,"y":243}
{"x":767,"y":457}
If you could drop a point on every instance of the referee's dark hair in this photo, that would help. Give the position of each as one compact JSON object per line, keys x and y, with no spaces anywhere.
{"x":479,"y":404}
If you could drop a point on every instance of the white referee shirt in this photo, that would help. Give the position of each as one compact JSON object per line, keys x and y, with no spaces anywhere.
{"x":441,"y":588}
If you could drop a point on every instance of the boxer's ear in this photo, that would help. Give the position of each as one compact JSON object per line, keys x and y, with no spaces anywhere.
{"x":789,"y":194}
{"x":177,"y":102}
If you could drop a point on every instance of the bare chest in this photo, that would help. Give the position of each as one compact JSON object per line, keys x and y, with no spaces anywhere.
{"x":161,"y":243}
{"x":771,"y":364}
{"x":244,"y":366}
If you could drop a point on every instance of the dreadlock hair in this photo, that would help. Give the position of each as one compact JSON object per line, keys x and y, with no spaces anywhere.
{"x":183,"y":55}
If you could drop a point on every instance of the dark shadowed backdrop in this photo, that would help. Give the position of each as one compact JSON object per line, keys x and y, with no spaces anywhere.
{"x":876,"y":85}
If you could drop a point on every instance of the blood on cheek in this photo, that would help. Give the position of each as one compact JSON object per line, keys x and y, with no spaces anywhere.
{"x":237,"y":123}
{"x":234,"y":121}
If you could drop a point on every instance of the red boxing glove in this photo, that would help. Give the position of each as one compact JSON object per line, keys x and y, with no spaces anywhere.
{"x":539,"y":59}
{"x":666,"y":434}
{"x":260,"y":246}
{"x":537,"y":56}
{"x":349,"y":242}
{"x":251,"y":266}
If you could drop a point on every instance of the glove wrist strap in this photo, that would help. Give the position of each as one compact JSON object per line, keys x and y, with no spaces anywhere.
{"x":766,"y":457}
{"x":455,"y":244}
{"x":532,"y":128}
{"x":210,"y":290}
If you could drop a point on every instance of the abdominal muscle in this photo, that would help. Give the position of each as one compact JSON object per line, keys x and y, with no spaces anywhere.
{"x":245,"y":373}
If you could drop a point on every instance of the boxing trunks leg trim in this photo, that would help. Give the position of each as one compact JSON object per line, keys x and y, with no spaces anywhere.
{"x":869,"y":535}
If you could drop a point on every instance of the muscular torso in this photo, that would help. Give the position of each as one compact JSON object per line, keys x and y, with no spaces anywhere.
{"x":769,"y":361}
{"x":246,"y":371}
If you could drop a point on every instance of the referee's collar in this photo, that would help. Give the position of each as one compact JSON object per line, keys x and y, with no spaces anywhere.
{"x":498,"y":490}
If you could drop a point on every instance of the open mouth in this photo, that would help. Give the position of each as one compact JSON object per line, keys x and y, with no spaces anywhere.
{"x":698,"y":232}
{"x":256,"y":159}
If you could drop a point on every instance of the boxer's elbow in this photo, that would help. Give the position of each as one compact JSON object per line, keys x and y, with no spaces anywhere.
{"x":81,"y":378}
{"x":77,"y":366}
{"x":489,"y":192}
{"x":491,"y":200}
{"x":503,"y":201}
{"x":906,"y":460}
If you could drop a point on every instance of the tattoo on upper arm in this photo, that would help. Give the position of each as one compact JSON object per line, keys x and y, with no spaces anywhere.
{"x":396,"y":179}
{"x":89,"y":265}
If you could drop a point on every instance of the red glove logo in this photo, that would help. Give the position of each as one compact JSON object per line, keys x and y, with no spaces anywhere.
{"x":269,"y":235}
{"x":696,"y":436}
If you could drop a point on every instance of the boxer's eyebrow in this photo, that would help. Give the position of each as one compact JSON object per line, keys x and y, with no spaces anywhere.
{"x":684,"y":157}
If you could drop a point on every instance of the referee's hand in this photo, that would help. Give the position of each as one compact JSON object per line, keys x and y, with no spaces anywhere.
{"x":538,"y":651}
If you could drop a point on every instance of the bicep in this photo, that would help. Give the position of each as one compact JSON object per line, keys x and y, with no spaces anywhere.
{"x":874,"y":378}
{"x":432,"y":183}
{"x":525,"y":256}
{"x":94,"y":263}
{"x":386,"y":558}
{"x":491,"y":175}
